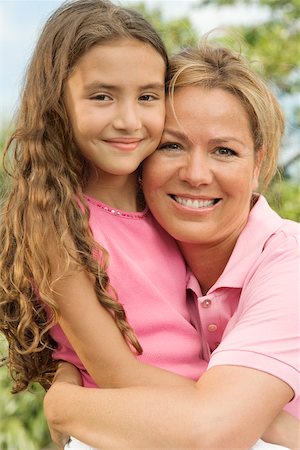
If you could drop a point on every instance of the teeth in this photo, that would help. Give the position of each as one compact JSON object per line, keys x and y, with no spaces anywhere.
{"x":191,"y":203}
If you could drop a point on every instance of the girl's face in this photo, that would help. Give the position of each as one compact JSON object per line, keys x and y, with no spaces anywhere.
{"x":199,"y":182}
{"x":116,"y":104}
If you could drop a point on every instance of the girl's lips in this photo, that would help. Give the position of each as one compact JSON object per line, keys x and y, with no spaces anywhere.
{"x":124,"y":144}
{"x":195,"y":203}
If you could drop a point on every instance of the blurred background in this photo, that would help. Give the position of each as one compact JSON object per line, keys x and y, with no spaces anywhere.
{"x":266,"y":31}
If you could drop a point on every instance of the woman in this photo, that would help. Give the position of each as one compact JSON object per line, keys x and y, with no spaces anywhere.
{"x":221,"y":139}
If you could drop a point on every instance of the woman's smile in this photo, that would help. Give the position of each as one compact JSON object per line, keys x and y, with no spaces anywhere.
{"x":194,"y":203}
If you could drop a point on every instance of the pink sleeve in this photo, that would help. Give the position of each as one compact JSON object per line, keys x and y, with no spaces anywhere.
{"x":264,"y":331}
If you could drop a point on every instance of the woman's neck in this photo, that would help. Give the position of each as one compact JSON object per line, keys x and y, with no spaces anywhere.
{"x":207,"y":262}
{"x":120,"y":192}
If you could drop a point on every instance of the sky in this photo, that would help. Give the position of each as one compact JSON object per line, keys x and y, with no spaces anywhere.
{"x":22,"y":20}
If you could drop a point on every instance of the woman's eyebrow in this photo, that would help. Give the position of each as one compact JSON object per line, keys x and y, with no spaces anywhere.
{"x":222,"y":139}
{"x":180,"y":135}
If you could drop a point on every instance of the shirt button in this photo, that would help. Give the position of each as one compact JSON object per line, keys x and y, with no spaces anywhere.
{"x":206,"y":303}
{"x":212,"y":327}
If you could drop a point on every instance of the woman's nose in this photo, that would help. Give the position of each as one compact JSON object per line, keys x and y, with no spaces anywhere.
{"x":196,"y":168}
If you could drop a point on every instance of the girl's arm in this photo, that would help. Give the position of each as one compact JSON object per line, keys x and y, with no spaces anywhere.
{"x":97,"y":340}
{"x":230,"y":407}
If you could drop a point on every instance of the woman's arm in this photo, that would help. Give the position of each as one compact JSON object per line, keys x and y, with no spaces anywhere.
{"x":224,"y":410}
{"x":66,"y":373}
{"x":284,"y":430}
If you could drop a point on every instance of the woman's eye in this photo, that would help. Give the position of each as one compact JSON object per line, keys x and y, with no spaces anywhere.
{"x":224,"y":151}
{"x":169,"y":146}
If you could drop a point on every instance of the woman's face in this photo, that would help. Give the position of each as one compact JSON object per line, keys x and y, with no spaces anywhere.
{"x":199,"y":181}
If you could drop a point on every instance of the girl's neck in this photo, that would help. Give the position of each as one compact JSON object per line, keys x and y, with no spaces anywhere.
{"x":120,"y":192}
{"x":207,"y":262}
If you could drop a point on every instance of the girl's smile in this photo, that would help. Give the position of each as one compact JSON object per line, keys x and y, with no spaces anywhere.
{"x":124,"y":144}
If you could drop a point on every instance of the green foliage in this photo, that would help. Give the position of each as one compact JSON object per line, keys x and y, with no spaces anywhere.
{"x":284,"y":198}
{"x":275,"y":42}
{"x":3,"y":177}
{"x":176,"y":33}
{"x":22,"y":423}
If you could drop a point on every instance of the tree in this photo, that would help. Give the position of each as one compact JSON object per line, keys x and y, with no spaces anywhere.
{"x":22,"y":424}
{"x":284,"y":199}
{"x":268,"y":41}
{"x":176,"y":33}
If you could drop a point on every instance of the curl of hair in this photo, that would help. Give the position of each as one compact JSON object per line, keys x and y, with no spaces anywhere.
{"x":46,"y":206}
{"x":213,"y":66}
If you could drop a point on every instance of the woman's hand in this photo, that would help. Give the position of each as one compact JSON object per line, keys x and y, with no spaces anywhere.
{"x":66,"y":373}
{"x":59,"y":439}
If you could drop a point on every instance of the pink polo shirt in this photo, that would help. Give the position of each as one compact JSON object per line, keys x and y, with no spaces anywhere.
{"x":251,"y":316}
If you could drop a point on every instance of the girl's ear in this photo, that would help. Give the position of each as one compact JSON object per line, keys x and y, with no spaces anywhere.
{"x":259,"y":157}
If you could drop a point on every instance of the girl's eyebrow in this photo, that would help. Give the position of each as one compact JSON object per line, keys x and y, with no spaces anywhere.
{"x":156,"y":86}
{"x":95,"y":85}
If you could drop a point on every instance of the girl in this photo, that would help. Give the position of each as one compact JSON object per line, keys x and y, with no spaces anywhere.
{"x":74,"y":228}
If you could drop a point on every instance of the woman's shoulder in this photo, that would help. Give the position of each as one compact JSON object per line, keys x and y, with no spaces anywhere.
{"x":290,"y":228}
{"x":278,"y":228}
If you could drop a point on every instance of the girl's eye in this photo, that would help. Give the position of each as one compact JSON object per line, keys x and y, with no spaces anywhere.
{"x":147,"y":97}
{"x":224,"y":151}
{"x":169,"y":146}
{"x":101,"y":97}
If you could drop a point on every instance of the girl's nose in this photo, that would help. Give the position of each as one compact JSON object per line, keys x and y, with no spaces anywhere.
{"x":196,"y":168}
{"x":128,"y":118}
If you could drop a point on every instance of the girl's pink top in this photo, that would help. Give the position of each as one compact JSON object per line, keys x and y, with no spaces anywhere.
{"x":147,"y":271}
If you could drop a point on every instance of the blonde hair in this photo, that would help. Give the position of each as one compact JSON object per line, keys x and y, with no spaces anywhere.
{"x":46,"y":206}
{"x":212,"y":66}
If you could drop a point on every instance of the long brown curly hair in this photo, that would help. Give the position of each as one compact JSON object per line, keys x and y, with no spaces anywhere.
{"x":46,"y":206}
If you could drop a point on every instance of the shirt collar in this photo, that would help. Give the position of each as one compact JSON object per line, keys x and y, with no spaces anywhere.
{"x":261,"y":224}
